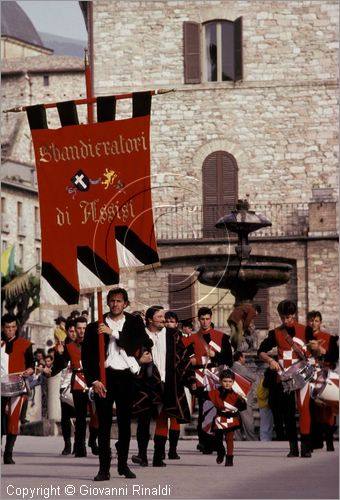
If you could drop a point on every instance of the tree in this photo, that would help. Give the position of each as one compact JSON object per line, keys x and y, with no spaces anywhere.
{"x":20,"y":294}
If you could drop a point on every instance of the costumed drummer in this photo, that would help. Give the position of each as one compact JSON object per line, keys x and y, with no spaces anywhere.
{"x":16,"y":358}
{"x":71,"y":353}
{"x":290,"y":338}
{"x":325,"y":351}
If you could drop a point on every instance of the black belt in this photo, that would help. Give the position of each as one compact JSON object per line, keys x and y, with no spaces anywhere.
{"x":109,"y":368}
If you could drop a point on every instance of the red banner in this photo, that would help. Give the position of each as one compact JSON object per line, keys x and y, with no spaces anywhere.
{"x":95,"y":204}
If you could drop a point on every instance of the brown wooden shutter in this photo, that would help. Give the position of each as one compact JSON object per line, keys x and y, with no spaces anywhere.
{"x":262,"y":298}
{"x":192,"y":52}
{"x":181,"y":295}
{"x":220,"y":190}
{"x":238,"y":59}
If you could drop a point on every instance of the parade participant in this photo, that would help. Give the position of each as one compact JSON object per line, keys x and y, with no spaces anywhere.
{"x":210,"y":348}
{"x":290,"y":338}
{"x":239,"y":321}
{"x":175,"y":371}
{"x":67,"y":409}
{"x":228,"y":405}
{"x":71,"y":352}
{"x":171,"y":321}
{"x":60,"y":331}
{"x":16,"y":358}
{"x":187,"y":329}
{"x":324,"y":349}
{"x":124,"y":338}
{"x":247,"y":416}
{"x":266,"y":414}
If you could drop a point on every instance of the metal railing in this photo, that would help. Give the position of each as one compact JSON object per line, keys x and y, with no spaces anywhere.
{"x":185,"y":222}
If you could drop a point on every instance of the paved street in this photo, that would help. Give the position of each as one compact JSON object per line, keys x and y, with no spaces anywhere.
{"x":261,"y":471}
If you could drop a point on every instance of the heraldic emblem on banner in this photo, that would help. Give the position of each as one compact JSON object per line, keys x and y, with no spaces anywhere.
{"x":95,"y":196}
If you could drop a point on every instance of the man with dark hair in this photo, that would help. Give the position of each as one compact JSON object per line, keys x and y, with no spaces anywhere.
{"x":124,"y":338}
{"x":16,"y":358}
{"x":187,"y":328}
{"x":291,"y":340}
{"x":239,"y":321}
{"x":210,"y":348}
{"x":174,"y":370}
{"x":171,"y":320}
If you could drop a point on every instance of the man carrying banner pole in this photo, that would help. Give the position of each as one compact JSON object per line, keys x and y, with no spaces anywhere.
{"x":124,"y":336}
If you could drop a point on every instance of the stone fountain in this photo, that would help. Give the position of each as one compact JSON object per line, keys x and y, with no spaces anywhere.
{"x":242,"y":273}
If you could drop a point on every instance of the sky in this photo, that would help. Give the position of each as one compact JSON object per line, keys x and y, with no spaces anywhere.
{"x":63,"y":18}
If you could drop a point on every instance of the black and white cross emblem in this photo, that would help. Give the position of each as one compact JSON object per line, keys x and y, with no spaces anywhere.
{"x":81,"y":181}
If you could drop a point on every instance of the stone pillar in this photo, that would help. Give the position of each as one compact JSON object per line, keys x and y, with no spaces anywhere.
{"x":53,"y":399}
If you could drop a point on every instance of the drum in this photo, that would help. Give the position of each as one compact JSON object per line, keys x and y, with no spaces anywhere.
{"x":326,"y":390}
{"x":13,"y":385}
{"x":297,"y":376}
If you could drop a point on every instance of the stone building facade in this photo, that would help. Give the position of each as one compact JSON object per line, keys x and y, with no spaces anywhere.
{"x":277,"y":124}
{"x":27,"y":81}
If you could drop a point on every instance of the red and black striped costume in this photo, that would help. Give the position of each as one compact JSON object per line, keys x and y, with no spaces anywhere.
{"x":300,"y":334}
{"x":82,"y":405}
{"x":17,"y":356}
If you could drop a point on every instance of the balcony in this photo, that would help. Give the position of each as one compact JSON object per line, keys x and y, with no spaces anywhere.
{"x":185,"y":222}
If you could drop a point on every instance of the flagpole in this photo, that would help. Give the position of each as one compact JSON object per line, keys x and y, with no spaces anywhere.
{"x":90,"y":100}
{"x":90,"y":119}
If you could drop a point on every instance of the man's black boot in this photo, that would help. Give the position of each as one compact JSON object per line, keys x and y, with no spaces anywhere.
{"x":294,"y":449}
{"x":93,"y":440}
{"x":159,"y":451}
{"x":67,"y":448}
{"x":305,"y":446}
{"x":329,"y":431}
{"x":173,"y":441}
{"x":10,"y":440}
{"x":104,"y":467}
{"x":124,"y":470}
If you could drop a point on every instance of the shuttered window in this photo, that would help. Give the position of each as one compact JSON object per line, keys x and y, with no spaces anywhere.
{"x":262,"y":298}
{"x":192,"y":52}
{"x":220,"y":190}
{"x":238,"y":58}
{"x":221,"y":59}
{"x":181,"y":295}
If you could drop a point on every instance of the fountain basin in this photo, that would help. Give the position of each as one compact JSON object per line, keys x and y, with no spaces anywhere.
{"x":245,"y":278}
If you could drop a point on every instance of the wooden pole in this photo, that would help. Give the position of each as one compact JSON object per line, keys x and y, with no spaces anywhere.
{"x":101,"y":339}
{"x":88,"y":80}
{"x":90,"y":119}
{"x":91,"y":100}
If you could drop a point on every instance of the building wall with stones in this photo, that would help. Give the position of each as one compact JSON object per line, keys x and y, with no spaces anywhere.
{"x":36,"y":80}
{"x":280,"y":122}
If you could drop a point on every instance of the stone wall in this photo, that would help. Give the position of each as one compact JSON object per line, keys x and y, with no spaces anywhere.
{"x":25,"y":90}
{"x":280,"y":123}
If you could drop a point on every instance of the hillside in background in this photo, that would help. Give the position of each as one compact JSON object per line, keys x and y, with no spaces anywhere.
{"x":63,"y":45}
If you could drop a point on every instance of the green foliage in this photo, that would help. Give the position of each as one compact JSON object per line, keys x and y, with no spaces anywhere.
{"x":21,"y":295}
